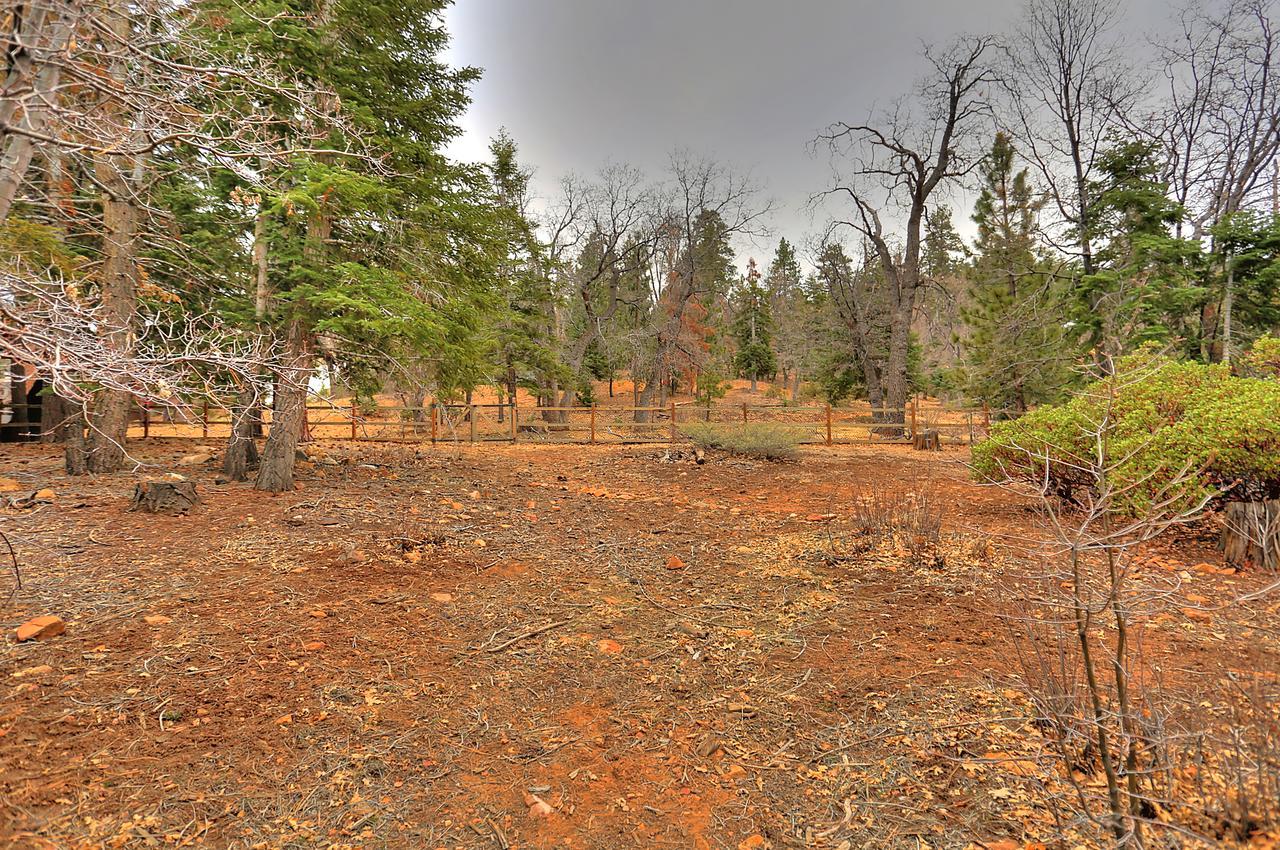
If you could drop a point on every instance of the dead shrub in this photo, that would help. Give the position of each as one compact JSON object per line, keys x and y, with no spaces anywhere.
{"x":911,"y":522}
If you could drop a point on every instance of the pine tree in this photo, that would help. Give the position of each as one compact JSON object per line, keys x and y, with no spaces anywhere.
{"x":525,"y":342}
{"x":1145,"y":287}
{"x":1015,"y":345}
{"x":794,"y":315}
{"x":363,"y":260}
{"x":753,"y":328}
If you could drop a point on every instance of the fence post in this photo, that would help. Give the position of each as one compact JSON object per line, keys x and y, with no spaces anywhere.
{"x":515,"y":416}
{"x":204,"y":422}
{"x":146,"y":422}
{"x":353,"y":418}
{"x":828,"y":424}
{"x":673,"y":421}
{"x":471,"y":417}
{"x":593,"y":424}
{"x":914,"y":402}
{"x":434,"y":418}
{"x":744,"y":411}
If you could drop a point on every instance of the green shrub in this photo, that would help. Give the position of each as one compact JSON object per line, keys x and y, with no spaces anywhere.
{"x":1262,"y":360}
{"x":1161,"y":417}
{"x":766,"y":440}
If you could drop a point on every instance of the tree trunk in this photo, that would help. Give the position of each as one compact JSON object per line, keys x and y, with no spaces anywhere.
{"x":75,"y":454}
{"x":54,"y":413}
{"x":895,"y":378}
{"x":246,"y":419}
{"x":1228,"y":295}
{"x":795,"y":385}
{"x":48,"y":31}
{"x":242,"y":451}
{"x":1251,"y":534}
{"x":275,"y":471}
{"x":120,"y":217}
{"x":16,"y":430}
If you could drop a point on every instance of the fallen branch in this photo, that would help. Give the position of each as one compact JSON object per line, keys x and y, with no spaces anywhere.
{"x":531,"y":633}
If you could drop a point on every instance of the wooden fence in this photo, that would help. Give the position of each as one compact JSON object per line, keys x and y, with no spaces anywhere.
{"x":510,"y":423}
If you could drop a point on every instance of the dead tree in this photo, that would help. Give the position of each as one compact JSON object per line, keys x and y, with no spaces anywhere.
{"x":899,"y":164}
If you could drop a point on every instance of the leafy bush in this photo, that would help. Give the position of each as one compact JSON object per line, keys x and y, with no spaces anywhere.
{"x":1263,"y":359}
{"x":766,"y":440}
{"x":1160,"y":417}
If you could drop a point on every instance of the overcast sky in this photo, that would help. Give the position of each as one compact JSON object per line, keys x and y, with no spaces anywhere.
{"x":579,"y":83}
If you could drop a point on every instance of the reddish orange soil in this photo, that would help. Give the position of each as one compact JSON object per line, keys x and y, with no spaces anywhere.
{"x":418,"y":646}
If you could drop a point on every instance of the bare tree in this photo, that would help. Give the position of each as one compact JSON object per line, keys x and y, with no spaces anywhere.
{"x":897,"y":166}
{"x":1069,"y":86}
{"x":1090,"y":686}
{"x":1220,"y":129}
{"x":862,"y":304}
{"x":698,"y":187}
{"x":622,"y":224}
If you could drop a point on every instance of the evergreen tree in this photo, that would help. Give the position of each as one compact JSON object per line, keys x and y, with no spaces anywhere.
{"x":362,"y":260}
{"x":1145,"y":288}
{"x":1016,"y":336}
{"x":525,"y":338}
{"x":753,"y":328}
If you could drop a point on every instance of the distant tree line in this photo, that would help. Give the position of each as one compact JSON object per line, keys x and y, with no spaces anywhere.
{"x":220,"y":200}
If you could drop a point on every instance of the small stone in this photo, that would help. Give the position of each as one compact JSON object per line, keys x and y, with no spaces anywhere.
{"x":9,"y":485}
{"x":313,"y":645}
{"x":157,"y":619}
{"x":44,"y":494}
{"x":318,"y":614}
{"x":538,"y":807}
{"x":442,"y":597}
{"x":195,"y":459}
{"x":41,"y":627}
{"x":674,"y":563}
{"x":38,"y":670}
{"x":609,"y":647}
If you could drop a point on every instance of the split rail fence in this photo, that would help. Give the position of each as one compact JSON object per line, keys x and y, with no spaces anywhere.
{"x":509,"y":423}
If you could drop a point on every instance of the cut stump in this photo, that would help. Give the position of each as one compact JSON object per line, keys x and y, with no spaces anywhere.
{"x":1251,"y":534}
{"x":927,"y":441}
{"x":164,"y":497}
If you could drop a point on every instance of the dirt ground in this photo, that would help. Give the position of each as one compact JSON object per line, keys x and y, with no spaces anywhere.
{"x":538,"y":647}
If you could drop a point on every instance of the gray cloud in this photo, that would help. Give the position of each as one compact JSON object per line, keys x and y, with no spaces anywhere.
{"x":582,"y":82}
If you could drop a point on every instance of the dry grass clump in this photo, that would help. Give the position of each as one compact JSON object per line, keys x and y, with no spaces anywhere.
{"x":764,"y":440}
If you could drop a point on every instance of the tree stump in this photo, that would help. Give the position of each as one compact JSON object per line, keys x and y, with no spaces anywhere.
{"x":162,"y":496}
{"x":929,"y":440}
{"x":1251,"y":534}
